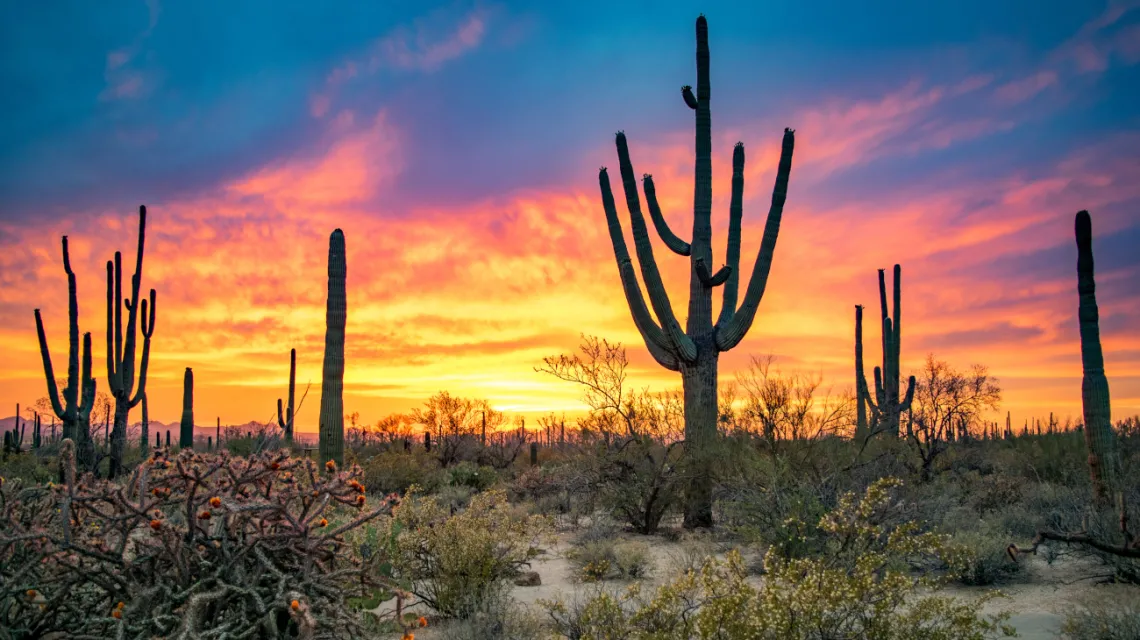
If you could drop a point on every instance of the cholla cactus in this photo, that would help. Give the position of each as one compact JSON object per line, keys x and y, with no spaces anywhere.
{"x":195,"y":545}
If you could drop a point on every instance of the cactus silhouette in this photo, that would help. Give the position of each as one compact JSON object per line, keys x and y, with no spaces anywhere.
{"x":331,"y":428}
{"x":1104,"y":465}
{"x":121,"y":347}
{"x":862,"y":429}
{"x":145,"y":435}
{"x":694,"y":351}
{"x":186,"y":430}
{"x":285,"y":419}
{"x":886,"y":407}
{"x":79,"y":395}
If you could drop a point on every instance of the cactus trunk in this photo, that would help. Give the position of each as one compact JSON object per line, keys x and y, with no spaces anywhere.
{"x":1103,"y":462}
{"x":285,"y":418}
{"x":887,"y":407}
{"x":186,"y":431}
{"x":331,"y":427}
{"x":862,"y":429}
{"x":144,"y":440}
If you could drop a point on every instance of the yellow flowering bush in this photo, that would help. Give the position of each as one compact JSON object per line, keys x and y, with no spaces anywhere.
{"x":458,"y":562}
{"x":867,"y":585}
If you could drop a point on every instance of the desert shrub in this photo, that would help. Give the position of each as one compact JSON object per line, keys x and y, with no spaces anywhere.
{"x":988,"y":560}
{"x":1103,"y":618}
{"x":862,"y":588}
{"x":565,"y":489}
{"x":502,"y":620}
{"x":469,"y":474}
{"x":458,"y":562}
{"x":397,"y":471}
{"x":693,"y":549}
{"x":198,"y":545}
{"x":773,"y":507}
{"x":639,"y":480}
{"x":29,"y":466}
{"x":607,"y":559}
{"x":454,"y":497}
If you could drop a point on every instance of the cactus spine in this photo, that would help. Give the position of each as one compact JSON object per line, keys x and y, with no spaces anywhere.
{"x":79,"y":395}
{"x":1101,"y":441}
{"x":886,"y":408}
{"x":186,"y":431}
{"x":331,"y":429}
{"x":121,"y":347}
{"x":694,"y":351}
{"x":285,"y":419}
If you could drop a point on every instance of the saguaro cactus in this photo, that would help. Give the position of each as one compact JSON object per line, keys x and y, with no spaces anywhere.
{"x":862,"y":394}
{"x":121,"y":348}
{"x":886,"y":407}
{"x":1104,"y":466}
{"x":285,"y":419}
{"x":79,"y":394}
{"x":186,"y":428}
{"x":331,"y":429}
{"x":694,"y":351}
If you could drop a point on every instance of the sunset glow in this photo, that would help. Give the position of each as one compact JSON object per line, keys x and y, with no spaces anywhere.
{"x":458,"y":149}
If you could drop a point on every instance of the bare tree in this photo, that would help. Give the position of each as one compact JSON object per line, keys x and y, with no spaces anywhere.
{"x":946,"y":400}
{"x":600,"y":369}
{"x":785,"y":408}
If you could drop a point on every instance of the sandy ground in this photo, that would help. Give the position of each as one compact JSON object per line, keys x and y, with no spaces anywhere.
{"x":1037,"y":600}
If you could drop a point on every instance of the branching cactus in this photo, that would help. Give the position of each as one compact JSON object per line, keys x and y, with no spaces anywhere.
{"x":886,"y":407}
{"x":331,"y":429}
{"x":121,"y":347}
{"x":694,"y":350}
{"x":186,"y":428}
{"x":285,"y":418}
{"x":1104,"y":464}
{"x":191,"y":546}
{"x":74,"y":410}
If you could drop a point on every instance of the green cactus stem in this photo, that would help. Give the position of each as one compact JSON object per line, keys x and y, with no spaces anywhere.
{"x":1103,"y":461}
{"x":186,"y":431}
{"x":74,"y":410}
{"x":121,"y":346}
{"x":331,"y":428}
{"x":862,"y":429}
{"x":694,"y":350}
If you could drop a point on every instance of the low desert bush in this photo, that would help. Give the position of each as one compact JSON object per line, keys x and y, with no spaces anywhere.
{"x":456,"y":563}
{"x":863,"y":587}
{"x":197,"y":545}
{"x":1103,"y":617}
{"x":396,"y":471}
{"x":609,"y":559}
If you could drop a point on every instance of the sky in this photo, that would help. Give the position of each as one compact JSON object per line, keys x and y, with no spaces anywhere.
{"x":457,"y":146}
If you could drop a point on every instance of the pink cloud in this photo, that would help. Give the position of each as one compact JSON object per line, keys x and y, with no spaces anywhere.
{"x":1021,"y":90}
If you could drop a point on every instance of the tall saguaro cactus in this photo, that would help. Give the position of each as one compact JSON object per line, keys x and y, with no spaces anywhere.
{"x":144,"y":438}
{"x":886,"y":407}
{"x":79,"y":395}
{"x":121,"y":347}
{"x":331,"y":429}
{"x":1104,"y":466}
{"x":694,"y":351}
{"x":862,"y":394}
{"x":285,"y":419}
{"x":186,"y":428}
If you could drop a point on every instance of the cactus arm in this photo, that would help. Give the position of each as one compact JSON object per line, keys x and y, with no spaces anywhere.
{"x":658,"y":296}
{"x":280,"y":415}
{"x":905,"y":404}
{"x":130,"y":341}
{"x":73,"y":390}
{"x":112,"y":358}
{"x":654,"y":337}
{"x":118,"y":309}
{"x":896,"y":325}
{"x":677,"y":245}
{"x":690,"y":99}
{"x":710,"y":280}
{"x":87,"y":403}
{"x":732,"y":255}
{"x":731,"y":333}
{"x":147,"y":332}
{"x":49,"y":371}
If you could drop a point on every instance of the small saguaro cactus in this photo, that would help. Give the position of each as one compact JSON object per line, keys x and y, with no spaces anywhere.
{"x":331,"y":427}
{"x":886,"y":407}
{"x":1104,"y":464}
{"x":186,"y":431}
{"x":693,"y":351}
{"x":285,"y":418}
